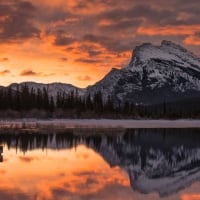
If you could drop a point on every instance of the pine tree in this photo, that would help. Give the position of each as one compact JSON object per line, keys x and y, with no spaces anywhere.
{"x":39,"y":99}
{"x":45,"y":99}
{"x":52,"y":105}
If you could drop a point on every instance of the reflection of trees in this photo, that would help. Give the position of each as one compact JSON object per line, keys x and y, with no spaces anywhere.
{"x":1,"y":151}
{"x":25,"y":141}
{"x":152,"y":153}
{"x":29,"y":141}
{"x":161,"y":139}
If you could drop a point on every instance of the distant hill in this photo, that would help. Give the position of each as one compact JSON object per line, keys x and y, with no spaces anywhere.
{"x":52,"y":88}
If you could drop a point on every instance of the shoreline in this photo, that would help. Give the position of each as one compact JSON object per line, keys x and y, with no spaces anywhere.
{"x":98,"y":123}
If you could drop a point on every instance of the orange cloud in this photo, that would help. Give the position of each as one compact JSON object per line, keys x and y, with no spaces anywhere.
{"x":27,"y":159}
{"x":87,"y":60}
{"x":192,"y":40}
{"x":82,"y":172}
{"x":189,"y":31}
{"x":64,"y":59}
{"x":73,"y":38}
{"x":84,"y":78}
{"x":4,"y":72}
{"x":29,"y":72}
{"x":4,"y":59}
{"x":190,"y":197}
{"x":105,"y":22}
{"x":168,"y":30}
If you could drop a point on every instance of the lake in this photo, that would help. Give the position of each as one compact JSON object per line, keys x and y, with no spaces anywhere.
{"x":100,"y":164}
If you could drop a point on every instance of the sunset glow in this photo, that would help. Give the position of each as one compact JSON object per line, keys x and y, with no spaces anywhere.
{"x":80,"y":171}
{"x":191,"y":197}
{"x":78,"y":42}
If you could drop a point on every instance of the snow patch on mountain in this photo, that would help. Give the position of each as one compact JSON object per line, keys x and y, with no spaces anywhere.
{"x":155,"y":74}
{"x":167,"y":51}
{"x":52,"y":88}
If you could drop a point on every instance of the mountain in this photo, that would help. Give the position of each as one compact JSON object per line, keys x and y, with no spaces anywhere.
{"x":155,"y":74}
{"x":52,"y":88}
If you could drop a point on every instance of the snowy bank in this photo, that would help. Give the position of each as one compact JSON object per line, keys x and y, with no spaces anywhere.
{"x":101,"y":123}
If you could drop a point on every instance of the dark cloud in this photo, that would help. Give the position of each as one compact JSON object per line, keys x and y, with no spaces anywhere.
{"x":52,"y":15}
{"x":95,"y":38}
{"x":63,"y":59}
{"x":63,"y":40}
{"x":70,"y":48}
{"x":62,"y":191}
{"x":5,"y":8}
{"x":90,"y":49}
{"x":4,"y":72}
{"x":8,"y":194}
{"x":155,"y":12}
{"x":27,"y":159}
{"x":197,"y":34}
{"x":86,"y":60}
{"x":93,"y":53}
{"x":16,"y":21}
{"x":4,"y":59}
{"x":109,"y":191}
{"x":130,"y":24}
{"x":96,"y":31}
{"x":92,"y":3}
{"x":109,"y":43}
{"x":137,"y":15}
{"x":29,"y":73}
{"x":114,"y":25}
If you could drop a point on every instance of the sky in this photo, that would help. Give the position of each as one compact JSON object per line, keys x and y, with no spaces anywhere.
{"x":79,"y":41}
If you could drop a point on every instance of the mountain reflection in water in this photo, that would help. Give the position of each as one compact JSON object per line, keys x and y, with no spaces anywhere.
{"x":135,"y":164}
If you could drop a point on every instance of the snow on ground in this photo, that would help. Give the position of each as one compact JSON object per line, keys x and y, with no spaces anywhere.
{"x":99,"y":123}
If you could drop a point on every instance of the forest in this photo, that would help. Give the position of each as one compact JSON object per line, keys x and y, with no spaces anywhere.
{"x":30,"y":103}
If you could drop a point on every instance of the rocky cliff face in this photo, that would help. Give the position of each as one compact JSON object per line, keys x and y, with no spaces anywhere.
{"x":155,"y":74}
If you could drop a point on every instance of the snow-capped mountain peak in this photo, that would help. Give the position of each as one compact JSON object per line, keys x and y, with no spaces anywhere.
{"x":155,"y":74}
{"x":167,"y":51}
{"x":148,"y":51}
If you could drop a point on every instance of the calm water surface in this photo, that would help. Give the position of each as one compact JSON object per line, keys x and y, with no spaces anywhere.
{"x":132,"y":164}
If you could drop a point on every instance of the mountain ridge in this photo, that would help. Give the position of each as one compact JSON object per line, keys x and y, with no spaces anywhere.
{"x":155,"y":74}
{"x":52,"y":88}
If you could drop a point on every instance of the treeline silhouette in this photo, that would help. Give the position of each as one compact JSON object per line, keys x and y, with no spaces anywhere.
{"x":163,"y":139}
{"x":27,"y":141}
{"x":28,"y":102}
